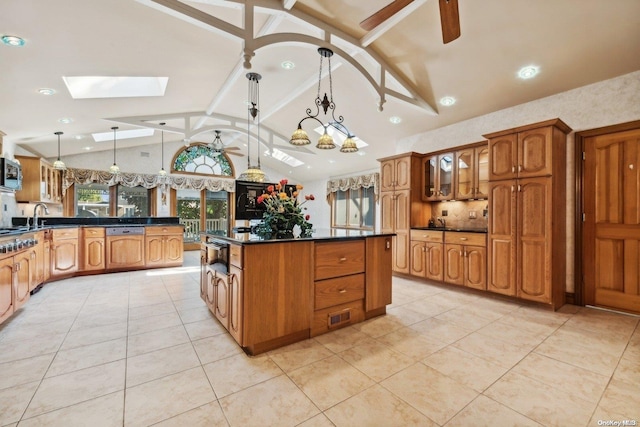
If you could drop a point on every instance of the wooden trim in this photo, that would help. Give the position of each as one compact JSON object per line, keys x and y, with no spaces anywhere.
{"x":579,"y":139}
{"x":173,"y":203}
{"x":553,"y":122}
{"x":399,"y":156}
{"x":153,"y":201}
{"x":69,"y":201}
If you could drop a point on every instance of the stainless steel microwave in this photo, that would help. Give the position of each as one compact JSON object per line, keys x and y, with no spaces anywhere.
{"x":10,"y":174}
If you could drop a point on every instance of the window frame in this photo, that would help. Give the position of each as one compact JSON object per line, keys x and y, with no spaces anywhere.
{"x":349,"y":199}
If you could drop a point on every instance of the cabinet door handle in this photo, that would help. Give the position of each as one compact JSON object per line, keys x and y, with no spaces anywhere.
{"x":519,"y":168}
{"x":513,"y":169}
{"x":461,"y":253}
{"x":342,"y":291}
{"x":424,"y":249}
{"x":463,"y":238}
{"x":512,"y":188}
{"x":519,"y":188}
{"x":343,"y":259}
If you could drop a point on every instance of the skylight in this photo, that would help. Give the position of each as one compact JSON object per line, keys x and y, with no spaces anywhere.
{"x":123,"y":134}
{"x":284,"y":157}
{"x":339,"y":137}
{"x":86,"y":87}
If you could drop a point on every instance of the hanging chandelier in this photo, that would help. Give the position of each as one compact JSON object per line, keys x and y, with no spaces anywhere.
{"x":114,"y":169}
{"x":253,"y":172}
{"x":325,"y":142}
{"x":59,"y":164}
{"x":217,"y":147}
{"x":162,"y":172}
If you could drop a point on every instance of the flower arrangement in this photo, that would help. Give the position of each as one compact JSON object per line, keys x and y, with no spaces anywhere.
{"x":283,"y":212}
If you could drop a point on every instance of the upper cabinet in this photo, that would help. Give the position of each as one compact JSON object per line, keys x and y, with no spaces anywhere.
{"x":396,"y":174}
{"x":438,"y":177}
{"x":40,"y":181}
{"x":472,"y":173}
{"x":525,"y":152}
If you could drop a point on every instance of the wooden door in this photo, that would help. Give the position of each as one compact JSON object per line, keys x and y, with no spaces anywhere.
{"x":475,"y":267}
{"x":418,"y":258}
{"x":430,"y":178}
{"x":221,"y":307}
{"x":535,"y":239}
{"x":481,"y":163}
{"x":378,"y":261}
{"x":535,"y":152}
{"x":387,"y":210}
{"x":503,"y":154}
{"x":387,"y":172}
{"x":453,"y":264}
{"x":154,"y":250}
{"x":403,"y":173}
{"x":445,"y":180}
{"x":210,"y":290}
{"x":435,"y":257}
{"x":93,"y":258}
{"x":125,"y":251}
{"x":235,"y":303}
{"x":502,"y":237}
{"x":402,"y":210}
{"x":64,"y":257}
{"x":22,"y":279}
{"x":174,"y":253}
{"x":6,"y":288}
{"x":611,"y":232}
{"x":401,"y":252}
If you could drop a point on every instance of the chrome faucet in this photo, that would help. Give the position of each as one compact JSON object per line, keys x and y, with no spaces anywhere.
{"x":442,"y":221}
{"x":35,"y":213}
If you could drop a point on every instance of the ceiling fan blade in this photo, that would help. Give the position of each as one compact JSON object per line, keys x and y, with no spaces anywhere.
{"x":383,"y":14}
{"x":450,"y":19}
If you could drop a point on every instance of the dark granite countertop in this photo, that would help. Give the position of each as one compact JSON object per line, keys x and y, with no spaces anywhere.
{"x":457,"y":229}
{"x":19,"y":223}
{"x":321,"y":234}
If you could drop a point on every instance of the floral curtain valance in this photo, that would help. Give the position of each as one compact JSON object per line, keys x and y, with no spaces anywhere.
{"x":355,"y":182}
{"x":87,"y":176}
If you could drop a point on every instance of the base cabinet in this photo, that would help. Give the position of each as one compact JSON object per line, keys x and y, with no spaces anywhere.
{"x":163,"y":246}
{"x":15,"y":283}
{"x":235,"y":303}
{"x":465,"y":259}
{"x":64,"y":252}
{"x":124,"y":252}
{"x":6,"y":288}
{"x":426,"y":254}
{"x":93,"y":249}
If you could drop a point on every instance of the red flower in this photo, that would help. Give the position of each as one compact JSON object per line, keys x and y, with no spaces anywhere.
{"x":306,"y":217}
{"x":283,"y":182}
{"x":311,"y":197}
{"x":261,"y":198}
{"x":270,"y":189}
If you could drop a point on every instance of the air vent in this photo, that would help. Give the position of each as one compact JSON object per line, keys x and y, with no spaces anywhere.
{"x":144,"y":154}
{"x":339,"y":318}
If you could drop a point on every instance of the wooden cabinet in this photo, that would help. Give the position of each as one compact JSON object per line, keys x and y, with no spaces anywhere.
{"x":235,"y":303}
{"x":39,"y":260}
{"x":438,"y":177}
{"x":6,"y":288}
{"x":125,"y":252}
{"x":339,"y":285}
{"x":40,"y":181}
{"x":472,"y":173}
{"x":93,"y":249}
{"x":465,"y":259}
{"x":15,"y":282}
{"x":221,"y":298}
{"x":527,"y":238}
{"x":378,"y":263}
{"x":426,"y":254}
{"x":401,"y":204}
{"x":163,"y":246}
{"x":64,"y":252}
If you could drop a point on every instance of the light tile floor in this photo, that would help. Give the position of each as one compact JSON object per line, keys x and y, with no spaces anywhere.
{"x":141,"y":348}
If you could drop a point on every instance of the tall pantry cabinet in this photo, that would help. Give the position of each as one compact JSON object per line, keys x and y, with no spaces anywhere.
{"x":401,"y":204}
{"x":527,"y":196}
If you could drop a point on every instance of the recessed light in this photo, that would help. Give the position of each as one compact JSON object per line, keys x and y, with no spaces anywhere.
{"x":361,"y":153}
{"x":332,"y":161}
{"x":447,"y":101}
{"x":13,"y":41}
{"x":79,"y":137}
{"x":288,"y":65}
{"x":528,"y":72}
{"x":395,"y":119}
{"x":46,"y":91}
{"x":87,"y":148}
{"x":65,"y":120}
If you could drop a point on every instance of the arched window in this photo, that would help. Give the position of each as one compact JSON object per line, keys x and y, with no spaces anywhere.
{"x":200,"y":159}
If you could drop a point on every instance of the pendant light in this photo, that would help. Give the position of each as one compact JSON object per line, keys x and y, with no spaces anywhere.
{"x":325,"y":142}
{"x":253,"y":173}
{"x":59,"y":164}
{"x":162,"y":172}
{"x":114,"y":169}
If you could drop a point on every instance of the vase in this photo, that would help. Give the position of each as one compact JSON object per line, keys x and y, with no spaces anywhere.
{"x":283,"y":234}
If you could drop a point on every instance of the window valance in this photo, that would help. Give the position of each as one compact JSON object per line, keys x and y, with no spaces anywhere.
{"x":87,"y":176}
{"x":354,"y":183}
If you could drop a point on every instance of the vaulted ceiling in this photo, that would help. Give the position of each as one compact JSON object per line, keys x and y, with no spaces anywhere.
{"x":202,"y":47}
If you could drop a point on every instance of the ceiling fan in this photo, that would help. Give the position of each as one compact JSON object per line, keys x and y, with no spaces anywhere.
{"x":218,"y":146}
{"x":449,"y":17}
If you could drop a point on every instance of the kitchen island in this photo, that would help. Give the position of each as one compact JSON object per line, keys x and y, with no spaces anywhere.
{"x":270,"y":293}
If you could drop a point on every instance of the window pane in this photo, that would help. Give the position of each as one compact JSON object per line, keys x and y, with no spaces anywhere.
{"x":92,"y":200}
{"x":368,"y":207}
{"x":217,"y":212}
{"x":188,"y":204}
{"x":132,"y":201}
{"x":340,"y":209}
{"x":354,"y":208}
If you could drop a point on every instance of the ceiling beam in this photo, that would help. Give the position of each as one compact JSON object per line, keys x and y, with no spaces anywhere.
{"x":374,"y":34}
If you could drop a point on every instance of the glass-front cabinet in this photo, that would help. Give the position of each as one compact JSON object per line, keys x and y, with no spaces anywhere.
{"x":472,"y":173}
{"x":438,"y":177}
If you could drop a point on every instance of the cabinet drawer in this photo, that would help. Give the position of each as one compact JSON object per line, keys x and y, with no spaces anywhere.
{"x":427,"y":235}
{"x":332,"y":292}
{"x":64,"y":233}
{"x":93,"y":231}
{"x":235,"y":255}
{"x":336,"y":259}
{"x":461,"y":238}
{"x":164,"y":230}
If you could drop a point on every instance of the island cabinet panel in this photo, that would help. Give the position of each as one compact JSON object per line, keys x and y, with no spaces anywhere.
{"x":277,"y":294}
{"x":64,"y":252}
{"x":221,"y":299}
{"x":379,"y":269}
{"x":335,"y":259}
{"x":235,"y":326}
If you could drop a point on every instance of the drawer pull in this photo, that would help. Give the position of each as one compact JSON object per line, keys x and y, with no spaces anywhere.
{"x":343,"y":259}
{"x":342,"y":291}
{"x":463,"y":238}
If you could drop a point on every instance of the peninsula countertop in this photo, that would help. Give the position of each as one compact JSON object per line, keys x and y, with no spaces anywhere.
{"x":319,"y":234}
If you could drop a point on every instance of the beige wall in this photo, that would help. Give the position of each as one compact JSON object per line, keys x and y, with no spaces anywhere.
{"x":601,"y":104}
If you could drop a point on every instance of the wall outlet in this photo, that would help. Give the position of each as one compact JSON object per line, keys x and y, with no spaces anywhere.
{"x":472,"y":214}
{"x":445,"y":213}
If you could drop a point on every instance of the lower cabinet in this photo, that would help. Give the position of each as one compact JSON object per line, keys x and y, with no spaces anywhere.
{"x":465,"y":259}
{"x":15,"y":283}
{"x":426,"y":254}
{"x":235,"y":303}
{"x":64,"y":252}
{"x":163,"y":246}
{"x":125,"y":252}
{"x":93,"y":249}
